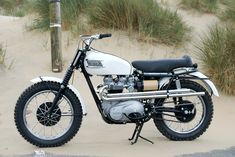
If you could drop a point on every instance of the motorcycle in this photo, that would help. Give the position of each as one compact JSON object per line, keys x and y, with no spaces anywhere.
{"x":171,"y":92}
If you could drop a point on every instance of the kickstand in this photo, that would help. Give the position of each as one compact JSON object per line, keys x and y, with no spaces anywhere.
{"x":136,"y":134}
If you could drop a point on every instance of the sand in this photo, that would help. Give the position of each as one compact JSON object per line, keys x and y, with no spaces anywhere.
{"x":31,"y":54}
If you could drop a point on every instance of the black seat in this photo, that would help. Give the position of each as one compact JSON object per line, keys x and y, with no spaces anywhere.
{"x":163,"y":65}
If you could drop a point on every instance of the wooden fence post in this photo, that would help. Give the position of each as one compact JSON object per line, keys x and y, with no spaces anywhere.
{"x":55,"y":27}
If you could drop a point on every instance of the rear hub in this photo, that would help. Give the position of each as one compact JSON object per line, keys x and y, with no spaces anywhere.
{"x":48,"y":119}
{"x":187,"y":111}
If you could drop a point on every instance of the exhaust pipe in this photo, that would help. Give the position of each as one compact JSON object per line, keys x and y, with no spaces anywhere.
{"x":149,"y":95}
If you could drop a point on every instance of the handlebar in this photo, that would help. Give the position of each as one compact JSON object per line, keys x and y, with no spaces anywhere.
{"x":101,"y":36}
{"x":87,"y":39}
{"x":95,"y":37}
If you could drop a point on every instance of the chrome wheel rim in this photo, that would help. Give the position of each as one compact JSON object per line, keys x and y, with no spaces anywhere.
{"x":180,"y":127}
{"x":51,"y":128}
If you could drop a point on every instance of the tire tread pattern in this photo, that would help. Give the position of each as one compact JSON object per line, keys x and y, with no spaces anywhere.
{"x":18,"y":115}
{"x":165,"y":131}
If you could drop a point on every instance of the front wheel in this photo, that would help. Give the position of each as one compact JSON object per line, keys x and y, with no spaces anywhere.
{"x":192,"y":115}
{"x":36,"y":126}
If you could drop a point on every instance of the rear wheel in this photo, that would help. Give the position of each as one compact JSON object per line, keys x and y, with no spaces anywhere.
{"x":192,"y":115}
{"x":41,"y":129}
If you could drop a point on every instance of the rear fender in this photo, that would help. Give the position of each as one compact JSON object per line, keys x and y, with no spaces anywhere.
{"x":54,"y":79}
{"x":208,"y":83}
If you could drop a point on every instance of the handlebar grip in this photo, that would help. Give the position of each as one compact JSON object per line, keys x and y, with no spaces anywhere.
{"x":104,"y":36}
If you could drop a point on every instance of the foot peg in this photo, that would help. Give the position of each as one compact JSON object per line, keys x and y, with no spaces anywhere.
{"x":136,"y":134}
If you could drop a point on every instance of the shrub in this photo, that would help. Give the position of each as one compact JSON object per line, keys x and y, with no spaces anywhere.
{"x":143,"y":16}
{"x":217,"y":53}
{"x":15,"y":7}
{"x":201,"y":5}
{"x":71,"y":10}
{"x":229,"y":13}
{"x":41,"y":7}
{"x":2,"y":55}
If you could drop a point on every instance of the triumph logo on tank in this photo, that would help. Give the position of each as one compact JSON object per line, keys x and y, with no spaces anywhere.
{"x":94,"y":64}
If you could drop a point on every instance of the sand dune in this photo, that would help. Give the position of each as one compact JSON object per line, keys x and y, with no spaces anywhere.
{"x":31,"y":54}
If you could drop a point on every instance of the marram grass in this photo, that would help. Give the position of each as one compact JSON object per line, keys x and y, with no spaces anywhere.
{"x":201,"y":5}
{"x":70,"y":12}
{"x":145,"y":17}
{"x":217,"y":53}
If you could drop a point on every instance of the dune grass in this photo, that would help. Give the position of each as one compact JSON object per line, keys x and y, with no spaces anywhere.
{"x":3,"y":64}
{"x":15,"y":7}
{"x":144,"y":17}
{"x":217,"y":53}
{"x":42,"y":21}
{"x":209,"y":6}
{"x":229,"y":13}
{"x":70,"y":12}
{"x":2,"y":55}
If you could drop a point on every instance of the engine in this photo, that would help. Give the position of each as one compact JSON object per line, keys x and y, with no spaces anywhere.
{"x":122,"y":111}
{"x":131,"y":83}
{"x":116,"y":85}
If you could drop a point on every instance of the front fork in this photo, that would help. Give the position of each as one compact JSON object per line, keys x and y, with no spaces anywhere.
{"x":63,"y":86}
{"x":74,"y":65}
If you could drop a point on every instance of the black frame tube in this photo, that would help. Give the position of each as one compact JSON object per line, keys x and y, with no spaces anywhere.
{"x":96,"y":98}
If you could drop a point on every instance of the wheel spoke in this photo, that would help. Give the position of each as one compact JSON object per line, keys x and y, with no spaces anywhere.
{"x":41,"y":129}
{"x":170,"y":115}
{"x":40,"y":114}
{"x":54,"y":130}
{"x":64,"y":107}
{"x":66,"y":114}
{"x":59,"y":125}
{"x":41,"y":109}
{"x":56,"y":110}
{"x":46,"y":97}
{"x":35,"y":125}
{"x":53,"y":127}
{"x":44,"y":128}
{"x":175,"y":124}
{"x":36,"y":99}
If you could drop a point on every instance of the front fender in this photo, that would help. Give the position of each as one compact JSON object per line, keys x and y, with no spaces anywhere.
{"x":54,"y":79}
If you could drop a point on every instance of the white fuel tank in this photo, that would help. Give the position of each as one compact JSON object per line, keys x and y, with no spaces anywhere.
{"x":98,"y":63}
